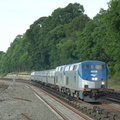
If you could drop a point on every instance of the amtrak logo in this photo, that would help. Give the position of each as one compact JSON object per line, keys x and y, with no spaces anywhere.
{"x":93,"y":75}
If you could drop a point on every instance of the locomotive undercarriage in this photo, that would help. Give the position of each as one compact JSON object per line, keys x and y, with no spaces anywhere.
{"x":70,"y":92}
{"x":88,"y":96}
{"x":94,"y":95}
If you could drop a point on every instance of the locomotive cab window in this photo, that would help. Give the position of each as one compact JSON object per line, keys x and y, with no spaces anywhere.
{"x":99,"y":66}
{"x":87,"y":66}
{"x":93,"y":66}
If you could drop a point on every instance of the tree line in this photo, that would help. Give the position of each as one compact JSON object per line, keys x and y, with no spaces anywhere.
{"x":67,"y":36}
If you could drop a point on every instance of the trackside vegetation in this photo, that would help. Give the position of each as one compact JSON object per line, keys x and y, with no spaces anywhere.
{"x":67,"y":36}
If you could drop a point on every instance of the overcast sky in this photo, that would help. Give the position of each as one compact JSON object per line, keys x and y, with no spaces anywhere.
{"x":17,"y":15}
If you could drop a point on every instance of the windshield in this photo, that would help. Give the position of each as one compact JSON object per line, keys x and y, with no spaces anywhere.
{"x":93,"y":66}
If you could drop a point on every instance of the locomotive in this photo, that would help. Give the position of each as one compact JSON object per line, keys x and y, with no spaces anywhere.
{"x":85,"y":80}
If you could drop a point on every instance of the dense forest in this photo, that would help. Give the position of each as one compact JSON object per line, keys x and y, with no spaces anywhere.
{"x":67,"y":36}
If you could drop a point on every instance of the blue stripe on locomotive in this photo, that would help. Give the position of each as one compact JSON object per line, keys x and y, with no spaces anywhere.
{"x":87,"y":74}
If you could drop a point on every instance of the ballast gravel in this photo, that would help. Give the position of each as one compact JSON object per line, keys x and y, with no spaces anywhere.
{"x":19,"y":100}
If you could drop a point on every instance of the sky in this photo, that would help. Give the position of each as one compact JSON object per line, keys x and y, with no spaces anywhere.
{"x":17,"y":15}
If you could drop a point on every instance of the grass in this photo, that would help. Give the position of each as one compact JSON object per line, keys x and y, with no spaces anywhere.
{"x":114,"y":86}
{"x":114,"y":81}
{"x":3,"y":86}
{"x":20,"y":73}
{"x":1,"y":83}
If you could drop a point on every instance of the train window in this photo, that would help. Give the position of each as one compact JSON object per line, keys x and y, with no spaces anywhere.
{"x":74,"y":67}
{"x":87,"y":66}
{"x":57,"y":69}
{"x":61,"y":69}
{"x":99,"y":66}
{"x":70,"y":67}
{"x":67,"y":68}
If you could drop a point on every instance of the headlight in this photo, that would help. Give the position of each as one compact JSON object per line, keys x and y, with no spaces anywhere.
{"x":94,"y":78}
{"x":102,"y":83}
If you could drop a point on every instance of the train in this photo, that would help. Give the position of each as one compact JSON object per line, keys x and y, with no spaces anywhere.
{"x":18,"y":77}
{"x":85,"y":80}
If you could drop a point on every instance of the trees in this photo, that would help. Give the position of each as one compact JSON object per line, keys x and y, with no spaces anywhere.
{"x":112,"y":22}
{"x":67,"y":36}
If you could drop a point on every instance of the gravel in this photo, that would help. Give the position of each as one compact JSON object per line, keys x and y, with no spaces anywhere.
{"x":18,"y":99}
{"x":11,"y":107}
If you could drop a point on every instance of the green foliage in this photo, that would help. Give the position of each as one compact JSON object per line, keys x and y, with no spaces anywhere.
{"x":67,"y":36}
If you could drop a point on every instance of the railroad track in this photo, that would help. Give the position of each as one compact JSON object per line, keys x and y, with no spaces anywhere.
{"x":90,"y":109}
{"x":3,"y":86}
{"x":112,"y":99}
{"x":26,"y":116}
{"x":65,"y":116}
{"x":99,"y":111}
{"x":113,"y":95}
{"x":64,"y":104}
{"x":110,"y":107}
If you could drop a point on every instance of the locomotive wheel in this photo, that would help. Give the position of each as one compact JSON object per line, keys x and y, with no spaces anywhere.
{"x":68,"y":92}
{"x":76,"y":94}
{"x":62,"y":91}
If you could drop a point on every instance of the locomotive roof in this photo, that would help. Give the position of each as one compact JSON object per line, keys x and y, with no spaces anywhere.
{"x":88,"y":61}
{"x":93,"y":61}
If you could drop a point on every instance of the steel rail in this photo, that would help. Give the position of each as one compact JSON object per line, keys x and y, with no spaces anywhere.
{"x":69,"y":107}
{"x":26,"y":116}
{"x":22,"y":99}
{"x":113,"y":108}
{"x":63,"y":116}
